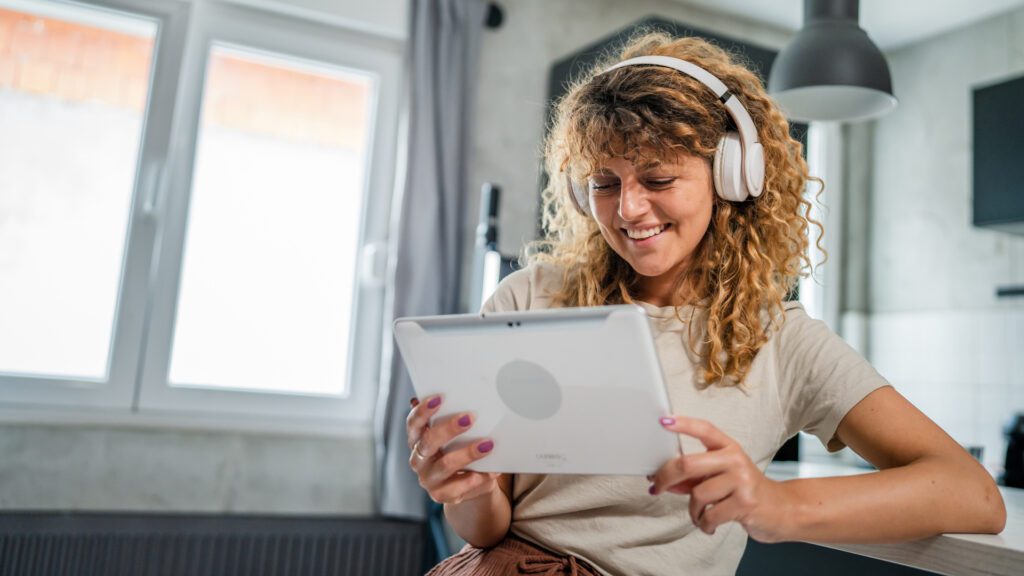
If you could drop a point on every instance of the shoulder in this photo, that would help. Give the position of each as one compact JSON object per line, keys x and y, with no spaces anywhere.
{"x":529,"y":288}
{"x":802,"y":340}
{"x":795,"y":323}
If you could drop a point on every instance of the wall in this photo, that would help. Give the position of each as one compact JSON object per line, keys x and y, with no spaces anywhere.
{"x":386,"y":18}
{"x":97,"y":468}
{"x":937,"y":330}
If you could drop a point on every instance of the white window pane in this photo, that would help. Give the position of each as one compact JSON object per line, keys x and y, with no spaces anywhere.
{"x":273,"y":228}
{"x":73,"y":87}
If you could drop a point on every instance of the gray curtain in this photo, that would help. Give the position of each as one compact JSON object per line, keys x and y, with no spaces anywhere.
{"x":427,"y":257}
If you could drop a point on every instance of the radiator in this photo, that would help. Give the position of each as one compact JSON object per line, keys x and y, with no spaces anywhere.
{"x":43,"y":544}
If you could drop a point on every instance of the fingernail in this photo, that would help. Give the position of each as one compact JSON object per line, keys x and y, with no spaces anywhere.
{"x":434,"y":402}
{"x":652,"y":490}
{"x":667,"y":421}
{"x":414,"y":402}
{"x":464,"y":421}
{"x":485,"y":446}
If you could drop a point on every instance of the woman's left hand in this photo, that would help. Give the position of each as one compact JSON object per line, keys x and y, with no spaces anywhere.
{"x":723,"y":483}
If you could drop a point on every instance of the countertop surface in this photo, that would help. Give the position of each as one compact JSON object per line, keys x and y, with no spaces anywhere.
{"x":1001,"y":554}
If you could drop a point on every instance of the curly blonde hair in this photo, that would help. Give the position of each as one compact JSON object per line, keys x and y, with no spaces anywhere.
{"x":753,"y":252}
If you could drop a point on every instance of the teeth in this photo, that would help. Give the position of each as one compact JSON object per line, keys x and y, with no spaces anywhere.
{"x":641,"y":234}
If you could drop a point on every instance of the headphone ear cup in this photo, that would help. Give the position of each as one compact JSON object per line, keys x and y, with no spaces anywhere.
{"x":728,"y":169}
{"x":577,"y":195}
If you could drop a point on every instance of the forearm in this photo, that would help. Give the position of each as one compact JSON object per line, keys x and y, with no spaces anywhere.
{"x":921,"y":499}
{"x":482,"y":521}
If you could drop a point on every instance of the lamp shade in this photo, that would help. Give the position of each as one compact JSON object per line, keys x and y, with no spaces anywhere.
{"x":831,"y":70}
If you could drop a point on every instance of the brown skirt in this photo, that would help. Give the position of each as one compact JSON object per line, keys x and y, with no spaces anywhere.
{"x":513,"y":556}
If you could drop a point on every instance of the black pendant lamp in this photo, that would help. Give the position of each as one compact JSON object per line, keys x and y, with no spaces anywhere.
{"x":831,"y":70}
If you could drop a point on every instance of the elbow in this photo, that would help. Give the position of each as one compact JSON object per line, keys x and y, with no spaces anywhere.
{"x":995,"y":520}
{"x":990,"y":517}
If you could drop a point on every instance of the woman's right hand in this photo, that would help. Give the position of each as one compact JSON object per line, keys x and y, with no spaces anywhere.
{"x":442,"y":474}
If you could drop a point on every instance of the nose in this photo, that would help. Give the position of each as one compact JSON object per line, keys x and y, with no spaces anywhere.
{"x":633,"y":201}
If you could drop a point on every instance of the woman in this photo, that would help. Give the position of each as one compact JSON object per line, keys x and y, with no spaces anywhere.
{"x":680,"y":190}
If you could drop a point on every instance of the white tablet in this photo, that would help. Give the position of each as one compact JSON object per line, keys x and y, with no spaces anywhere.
{"x":569,"y":390}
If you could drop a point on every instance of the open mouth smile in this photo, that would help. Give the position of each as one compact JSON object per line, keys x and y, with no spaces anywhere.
{"x":641,"y":234}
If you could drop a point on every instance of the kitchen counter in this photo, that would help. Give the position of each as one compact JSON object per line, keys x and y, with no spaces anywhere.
{"x":967,"y":554}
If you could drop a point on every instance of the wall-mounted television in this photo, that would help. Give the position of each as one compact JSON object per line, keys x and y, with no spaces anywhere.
{"x":999,"y":156}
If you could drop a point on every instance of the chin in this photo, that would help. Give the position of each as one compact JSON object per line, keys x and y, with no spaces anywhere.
{"x":650,"y":271}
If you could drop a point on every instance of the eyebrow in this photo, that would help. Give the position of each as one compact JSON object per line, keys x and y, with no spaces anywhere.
{"x":645,"y":167}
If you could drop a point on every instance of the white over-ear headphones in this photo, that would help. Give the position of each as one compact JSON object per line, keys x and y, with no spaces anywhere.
{"x":738,"y":168}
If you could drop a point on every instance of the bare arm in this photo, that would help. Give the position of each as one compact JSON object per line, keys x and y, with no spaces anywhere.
{"x":483,"y":521}
{"x":927,"y":483}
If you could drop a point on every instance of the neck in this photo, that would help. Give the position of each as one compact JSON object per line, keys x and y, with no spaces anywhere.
{"x":663,"y":290}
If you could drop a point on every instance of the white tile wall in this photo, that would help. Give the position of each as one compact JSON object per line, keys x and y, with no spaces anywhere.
{"x":963,"y":369}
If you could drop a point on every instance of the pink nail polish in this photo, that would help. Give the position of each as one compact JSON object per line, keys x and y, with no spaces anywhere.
{"x":464,"y":421}
{"x":667,"y":421}
{"x":434,"y":403}
{"x":652,"y":490}
{"x":485,"y":447}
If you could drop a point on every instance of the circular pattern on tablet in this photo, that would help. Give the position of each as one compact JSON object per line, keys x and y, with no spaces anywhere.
{"x":529,"y":390}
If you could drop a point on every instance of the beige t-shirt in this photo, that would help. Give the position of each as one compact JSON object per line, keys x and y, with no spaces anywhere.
{"x":804,"y":378}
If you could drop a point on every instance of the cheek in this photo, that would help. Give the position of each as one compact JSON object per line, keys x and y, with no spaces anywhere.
{"x":603,"y":213}
{"x":697,"y":213}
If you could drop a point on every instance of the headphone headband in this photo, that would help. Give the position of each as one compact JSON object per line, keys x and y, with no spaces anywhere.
{"x":750,"y":169}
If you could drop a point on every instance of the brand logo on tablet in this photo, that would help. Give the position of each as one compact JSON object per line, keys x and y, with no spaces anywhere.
{"x":529,"y":390}
{"x":551,"y":457}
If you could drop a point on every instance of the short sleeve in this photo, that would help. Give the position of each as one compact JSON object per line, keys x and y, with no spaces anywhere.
{"x":525,"y":289}
{"x":822,"y":377}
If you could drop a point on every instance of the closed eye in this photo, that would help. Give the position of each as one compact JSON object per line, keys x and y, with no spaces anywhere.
{"x":656,"y":183}
{"x":603,"y":185}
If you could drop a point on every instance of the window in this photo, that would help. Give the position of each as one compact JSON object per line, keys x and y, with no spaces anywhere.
{"x":280,"y":155}
{"x":186,"y":195}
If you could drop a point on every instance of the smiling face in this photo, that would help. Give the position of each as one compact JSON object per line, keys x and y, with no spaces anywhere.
{"x":654,"y":217}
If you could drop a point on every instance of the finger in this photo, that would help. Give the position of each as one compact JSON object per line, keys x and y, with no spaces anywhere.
{"x":418,"y":419}
{"x":442,"y":432}
{"x":683,"y":488}
{"x":693,"y":466}
{"x":414,"y":402}
{"x":452,"y":462}
{"x":708,"y":434}
{"x":709,"y":493}
{"x":728,"y":510}
{"x":488,"y":485}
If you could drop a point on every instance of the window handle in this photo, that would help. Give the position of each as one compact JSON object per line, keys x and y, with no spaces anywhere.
{"x":153,"y":180}
{"x":374,"y":264}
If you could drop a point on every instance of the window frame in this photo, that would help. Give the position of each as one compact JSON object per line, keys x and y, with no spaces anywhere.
{"x":137,"y":391}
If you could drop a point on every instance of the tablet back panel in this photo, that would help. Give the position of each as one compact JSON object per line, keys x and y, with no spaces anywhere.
{"x":576,"y":390}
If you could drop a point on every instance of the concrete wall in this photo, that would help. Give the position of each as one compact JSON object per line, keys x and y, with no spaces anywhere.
{"x":97,"y":468}
{"x":937,"y":330}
